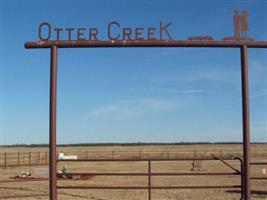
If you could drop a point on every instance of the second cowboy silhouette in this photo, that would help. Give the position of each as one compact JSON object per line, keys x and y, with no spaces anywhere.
{"x":244,"y":24}
{"x":240,"y":24}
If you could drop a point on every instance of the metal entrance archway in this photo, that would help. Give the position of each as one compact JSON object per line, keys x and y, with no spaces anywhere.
{"x":54,"y":45}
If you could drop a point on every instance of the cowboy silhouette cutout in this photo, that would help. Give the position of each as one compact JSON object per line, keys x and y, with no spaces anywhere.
{"x":240,"y":24}
{"x":244,"y":24}
{"x":237,"y":20}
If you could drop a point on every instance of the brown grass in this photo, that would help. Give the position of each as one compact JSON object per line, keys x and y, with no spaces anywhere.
{"x":259,"y":153}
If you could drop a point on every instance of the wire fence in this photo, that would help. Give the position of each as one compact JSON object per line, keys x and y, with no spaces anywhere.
{"x":9,"y":159}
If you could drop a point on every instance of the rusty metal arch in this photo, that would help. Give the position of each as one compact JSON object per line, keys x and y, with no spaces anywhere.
{"x":242,"y":45}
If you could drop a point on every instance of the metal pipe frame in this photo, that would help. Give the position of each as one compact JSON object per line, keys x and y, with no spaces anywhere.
{"x":147,"y":188}
{"x":149,"y":175}
{"x":258,"y":163}
{"x":138,"y":160}
{"x":143,"y":43}
{"x":258,"y":178}
{"x":156,"y":174}
{"x":53,"y":126}
{"x":149,"y":180}
{"x":243,"y":45}
{"x":245,"y":121}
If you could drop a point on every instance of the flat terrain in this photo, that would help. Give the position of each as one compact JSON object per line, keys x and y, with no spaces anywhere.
{"x":39,"y":189}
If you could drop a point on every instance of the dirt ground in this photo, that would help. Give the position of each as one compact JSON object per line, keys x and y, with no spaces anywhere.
{"x":39,"y":189}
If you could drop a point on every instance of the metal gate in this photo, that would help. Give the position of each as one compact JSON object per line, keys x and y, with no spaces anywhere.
{"x":149,"y":174}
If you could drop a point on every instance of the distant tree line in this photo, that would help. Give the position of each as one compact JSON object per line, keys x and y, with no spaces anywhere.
{"x":126,"y":144}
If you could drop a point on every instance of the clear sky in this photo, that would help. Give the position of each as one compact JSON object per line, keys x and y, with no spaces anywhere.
{"x":131,"y":94}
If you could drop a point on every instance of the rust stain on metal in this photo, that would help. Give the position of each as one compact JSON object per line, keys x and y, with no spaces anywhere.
{"x":200,"y":38}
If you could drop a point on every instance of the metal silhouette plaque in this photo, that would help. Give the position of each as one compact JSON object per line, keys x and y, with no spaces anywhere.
{"x":240,"y":22}
{"x":240,"y":25}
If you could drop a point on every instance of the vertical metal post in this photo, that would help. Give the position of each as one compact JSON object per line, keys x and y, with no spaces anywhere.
{"x":5,"y":159}
{"x":18,"y":158}
{"x":38,"y":157}
{"x":52,"y":125}
{"x":30,"y":157}
{"x":149,"y":180}
{"x":245,"y":115}
{"x":242,"y":179}
{"x":45,"y":157}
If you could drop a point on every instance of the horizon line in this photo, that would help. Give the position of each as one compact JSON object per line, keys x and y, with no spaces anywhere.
{"x":124,"y":144}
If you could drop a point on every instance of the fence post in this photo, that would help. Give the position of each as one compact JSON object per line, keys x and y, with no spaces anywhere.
{"x":5,"y":160}
{"x":18,"y":158}
{"x":30,"y":158}
{"x":86,"y":156}
{"x":149,"y":180}
{"x":45,"y":157}
{"x":38,"y":157}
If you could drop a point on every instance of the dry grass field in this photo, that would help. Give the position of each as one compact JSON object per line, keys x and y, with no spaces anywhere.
{"x":39,"y":189}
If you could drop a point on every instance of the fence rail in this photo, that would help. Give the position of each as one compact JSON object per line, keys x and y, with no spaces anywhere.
{"x":23,"y":159}
{"x":258,"y":177}
{"x":149,"y":187}
{"x":14,"y":159}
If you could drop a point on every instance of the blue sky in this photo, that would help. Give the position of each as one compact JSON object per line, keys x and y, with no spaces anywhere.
{"x":131,"y":94}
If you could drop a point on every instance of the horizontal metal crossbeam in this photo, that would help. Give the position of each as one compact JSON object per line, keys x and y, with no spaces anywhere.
{"x":152,"y":187}
{"x":143,"y":43}
{"x":155,"y":174}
